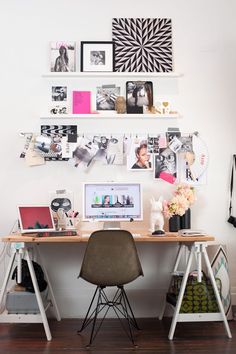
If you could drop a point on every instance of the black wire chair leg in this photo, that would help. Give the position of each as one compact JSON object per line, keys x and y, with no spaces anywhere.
{"x":95,"y":317}
{"x":86,"y":321}
{"x":127,"y":317}
{"x":126,"y":301}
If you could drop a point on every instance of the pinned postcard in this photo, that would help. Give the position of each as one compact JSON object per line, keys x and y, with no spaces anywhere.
{"x":155,"y":142}
{"x":139,"y":159}
{"x":165,"y":166}
{"x":32,"y":157}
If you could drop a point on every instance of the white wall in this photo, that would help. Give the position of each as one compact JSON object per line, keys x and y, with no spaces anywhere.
{"x":204,"y":51}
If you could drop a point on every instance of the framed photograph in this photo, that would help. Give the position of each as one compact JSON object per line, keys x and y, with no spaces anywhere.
{"x":59,"y":93}
{"x":138,"y":95}
{"x":97,"y":56}
{"x":62,"y":56}
{"x":106,"y":97}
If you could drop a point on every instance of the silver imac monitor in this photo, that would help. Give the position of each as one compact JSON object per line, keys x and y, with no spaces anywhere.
{"x":112,"y":202}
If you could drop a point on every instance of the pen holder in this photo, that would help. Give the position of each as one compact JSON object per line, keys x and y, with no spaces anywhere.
{"x":72,"y":223}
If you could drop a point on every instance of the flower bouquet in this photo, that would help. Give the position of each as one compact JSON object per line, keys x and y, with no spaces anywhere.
{"x":183,"y":198}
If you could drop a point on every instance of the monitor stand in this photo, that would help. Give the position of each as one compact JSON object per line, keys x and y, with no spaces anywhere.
{"x":111,"y":225}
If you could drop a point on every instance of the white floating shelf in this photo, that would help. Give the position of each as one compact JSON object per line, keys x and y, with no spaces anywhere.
{"x":110,"y":74}
{"x":109,"y":116}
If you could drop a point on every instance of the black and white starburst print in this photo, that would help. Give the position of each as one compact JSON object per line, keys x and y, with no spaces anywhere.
{"x":142,"y":44}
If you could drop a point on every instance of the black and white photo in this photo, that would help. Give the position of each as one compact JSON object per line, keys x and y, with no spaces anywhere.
{"x":50,"y":142}
{"x":138,"y":94}
{"x":97,"y":56}
{"x":59,"y":93}
{"x":62,"y":56}
{"x":165,"y":165}
{"x":106,"y":97}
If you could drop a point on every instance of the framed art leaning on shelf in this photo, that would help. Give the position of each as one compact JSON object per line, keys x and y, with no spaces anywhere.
{"x":97,"y":56}
{"x":62,"y":56}
{"x":138,"y":95}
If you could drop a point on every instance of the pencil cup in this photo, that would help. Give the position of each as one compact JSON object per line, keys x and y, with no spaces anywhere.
{"x":70,"y":223}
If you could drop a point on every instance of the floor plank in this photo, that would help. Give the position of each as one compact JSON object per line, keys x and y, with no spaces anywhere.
{"x":190,"y":338}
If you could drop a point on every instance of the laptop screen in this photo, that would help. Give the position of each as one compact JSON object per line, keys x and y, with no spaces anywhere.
{"x":35,"y":219}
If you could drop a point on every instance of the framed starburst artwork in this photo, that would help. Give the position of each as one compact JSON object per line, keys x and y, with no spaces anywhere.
{"x":142,"y":44}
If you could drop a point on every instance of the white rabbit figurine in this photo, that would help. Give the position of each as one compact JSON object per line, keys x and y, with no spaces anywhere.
{"x":156,"y":217}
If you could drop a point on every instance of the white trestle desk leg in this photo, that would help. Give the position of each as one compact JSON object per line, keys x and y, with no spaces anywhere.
{"x":55,"y":307}
{"x":176,"y":264}
{"x":213,"y":282}
{"x":6,"y":278}
{"x":199,"y":262}
{"x":181,"y":294}
{"x":38,"y":296}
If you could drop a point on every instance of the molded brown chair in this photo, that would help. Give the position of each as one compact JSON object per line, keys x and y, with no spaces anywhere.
{"x":110,"y":259}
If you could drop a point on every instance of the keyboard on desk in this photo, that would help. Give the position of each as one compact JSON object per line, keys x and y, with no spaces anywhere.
{"x":57,"y":233}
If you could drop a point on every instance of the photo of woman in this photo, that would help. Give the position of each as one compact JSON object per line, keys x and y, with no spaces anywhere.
{"x":62,"y":56}
{"x":138,"y":157}
{"x":138,"y":94}
{"x":165,"y":165}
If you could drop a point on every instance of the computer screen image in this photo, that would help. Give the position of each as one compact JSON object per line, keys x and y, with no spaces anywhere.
{"x":35,"y":218}
{"x":112,"y":202}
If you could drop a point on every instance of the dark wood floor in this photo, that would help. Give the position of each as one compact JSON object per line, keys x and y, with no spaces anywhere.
{"x":190,"y":338}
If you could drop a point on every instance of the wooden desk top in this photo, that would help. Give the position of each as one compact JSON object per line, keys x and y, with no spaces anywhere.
{"x":144,"y":237}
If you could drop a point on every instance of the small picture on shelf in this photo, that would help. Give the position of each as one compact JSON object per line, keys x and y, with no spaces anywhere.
{"x":59,"y":93}
{"x":138,"y":94}
{"x":62,"y":56}
{"x":81,"y":102}
{"x":106,"y":97}
{"x":97,"y":56}
{"x":59,"y":109}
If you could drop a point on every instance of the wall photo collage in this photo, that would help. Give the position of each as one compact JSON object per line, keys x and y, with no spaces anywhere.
{"x":170,"y":156}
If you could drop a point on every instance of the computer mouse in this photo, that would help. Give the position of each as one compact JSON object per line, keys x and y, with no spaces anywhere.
{"x":158,"y":232}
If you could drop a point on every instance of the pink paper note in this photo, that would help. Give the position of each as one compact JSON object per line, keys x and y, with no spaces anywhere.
{"x":81,"y":102}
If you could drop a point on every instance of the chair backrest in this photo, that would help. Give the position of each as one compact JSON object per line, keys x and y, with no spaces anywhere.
{"x":111,"y":258}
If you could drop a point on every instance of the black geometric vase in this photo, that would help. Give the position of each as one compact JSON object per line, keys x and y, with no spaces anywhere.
{"x":174,"y":223}
{"x":185,"y":220}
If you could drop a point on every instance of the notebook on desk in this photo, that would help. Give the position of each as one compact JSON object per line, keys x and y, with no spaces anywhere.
{"x":190,"y":232}
{"x":57,"y":233}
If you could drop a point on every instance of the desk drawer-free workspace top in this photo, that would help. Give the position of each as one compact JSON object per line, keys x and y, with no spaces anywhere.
{"x":144,"y":237}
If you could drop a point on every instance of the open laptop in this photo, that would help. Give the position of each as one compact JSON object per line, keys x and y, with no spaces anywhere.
{"x":34,"y":218}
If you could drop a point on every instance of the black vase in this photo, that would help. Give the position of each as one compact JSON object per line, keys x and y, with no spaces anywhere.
{"x":185,"y":220}
{"x":174,"y":223}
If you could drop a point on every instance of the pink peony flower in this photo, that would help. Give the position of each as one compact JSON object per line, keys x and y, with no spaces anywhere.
{"x":184,"y":197}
